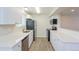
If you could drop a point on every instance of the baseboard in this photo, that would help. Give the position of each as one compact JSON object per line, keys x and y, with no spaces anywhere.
{"x":41,"y":37}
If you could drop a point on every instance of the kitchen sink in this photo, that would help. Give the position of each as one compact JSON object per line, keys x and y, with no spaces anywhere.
{"x":26,"y":31}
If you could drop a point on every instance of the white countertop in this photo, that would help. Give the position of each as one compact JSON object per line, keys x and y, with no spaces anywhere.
{"x":66,"y":37}
{"x":11,"y":39}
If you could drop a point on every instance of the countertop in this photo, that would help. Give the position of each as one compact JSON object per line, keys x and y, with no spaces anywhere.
{"x":66,"y":36}
{"x":11,"y":39}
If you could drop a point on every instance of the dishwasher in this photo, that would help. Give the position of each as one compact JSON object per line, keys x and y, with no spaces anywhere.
{"x":25,"y":43}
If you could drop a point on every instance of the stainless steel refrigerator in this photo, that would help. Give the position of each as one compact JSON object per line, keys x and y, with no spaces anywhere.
{"x":30,"y":25}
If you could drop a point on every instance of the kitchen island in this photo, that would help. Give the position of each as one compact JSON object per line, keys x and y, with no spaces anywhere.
{"x":13,"y":41}
{"x":64,"y":40}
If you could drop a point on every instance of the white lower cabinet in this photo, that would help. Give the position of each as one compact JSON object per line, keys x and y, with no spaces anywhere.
{"x":17,"y":47}
{"x":57,"y":43}
{"x":52,"y":37}
{"x":22,"y":45}
{"x":63,"y":42}
{"x":30,"y":38}
{"x":54,"y":40}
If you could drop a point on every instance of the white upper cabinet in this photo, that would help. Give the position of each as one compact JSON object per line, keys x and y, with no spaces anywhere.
{"x":1,"y":15}
{"x":10,"y":15}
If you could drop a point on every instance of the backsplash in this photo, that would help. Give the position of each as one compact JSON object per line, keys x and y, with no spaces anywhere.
{"x":6,"y":29}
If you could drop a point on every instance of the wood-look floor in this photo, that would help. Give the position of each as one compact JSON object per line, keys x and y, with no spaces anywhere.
{"x":41,"y":44}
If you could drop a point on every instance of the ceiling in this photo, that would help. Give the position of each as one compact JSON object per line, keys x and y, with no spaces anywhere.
{"x":60,"y":10}
{"x":44,"y":10}
{"x":68,"y":11}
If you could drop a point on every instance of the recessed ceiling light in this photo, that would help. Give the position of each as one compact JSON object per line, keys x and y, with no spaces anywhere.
{"x":26,"y":9}
{"x":72,"y":10}
{"x":28,"y":16}
{"x":37,"y":9}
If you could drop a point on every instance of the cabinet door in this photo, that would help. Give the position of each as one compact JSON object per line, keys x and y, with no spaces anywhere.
{"x":30,"y":38}
{"x":51,"y":37}
{"x":10,"y":15}
{"x":1,"y":15}
{"x":17,"y":47}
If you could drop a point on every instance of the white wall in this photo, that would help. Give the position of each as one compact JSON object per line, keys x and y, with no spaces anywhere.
{"x":70,"y":22}
{"x":42,"y":24}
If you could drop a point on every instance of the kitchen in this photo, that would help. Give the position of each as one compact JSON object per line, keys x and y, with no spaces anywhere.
{"x":17,"y":36}
{"x":13,"y":36}
{"x":13,"y":29}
